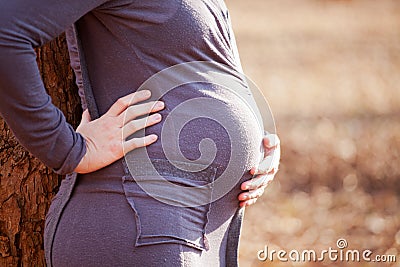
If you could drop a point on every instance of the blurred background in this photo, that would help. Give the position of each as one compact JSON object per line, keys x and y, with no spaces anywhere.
{"x":330,"y":70}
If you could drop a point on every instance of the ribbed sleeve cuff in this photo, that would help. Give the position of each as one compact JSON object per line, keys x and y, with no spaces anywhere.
{"x":74,"y":157}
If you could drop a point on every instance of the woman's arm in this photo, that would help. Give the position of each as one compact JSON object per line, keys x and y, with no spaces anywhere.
{"x":24,"y":103}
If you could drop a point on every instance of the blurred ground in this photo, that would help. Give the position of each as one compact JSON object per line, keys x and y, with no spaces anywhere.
{"x":330,"y":70}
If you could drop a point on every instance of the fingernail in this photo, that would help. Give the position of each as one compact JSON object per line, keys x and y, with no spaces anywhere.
{"x":157,"y":117}
{"x":153,"y":137}
{"x":160,"y":104}
{"x":245,"y":197}
{"x":146,"y":93}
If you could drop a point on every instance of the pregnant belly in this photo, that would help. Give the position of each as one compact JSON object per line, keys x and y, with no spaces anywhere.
{"x":206,"y":122}
{"x":207,"y":125}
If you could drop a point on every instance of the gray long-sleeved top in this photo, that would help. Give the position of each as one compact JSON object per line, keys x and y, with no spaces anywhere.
{"x":125,"y":42}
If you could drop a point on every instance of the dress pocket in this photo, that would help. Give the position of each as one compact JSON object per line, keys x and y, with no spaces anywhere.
{"x":167,"y":213}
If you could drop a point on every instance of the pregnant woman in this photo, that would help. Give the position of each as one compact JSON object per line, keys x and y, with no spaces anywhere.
{"x":108,"y":215}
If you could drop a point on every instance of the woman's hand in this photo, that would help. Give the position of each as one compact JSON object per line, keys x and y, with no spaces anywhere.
{"x":105,"y":136}
{"x":264,"y":173}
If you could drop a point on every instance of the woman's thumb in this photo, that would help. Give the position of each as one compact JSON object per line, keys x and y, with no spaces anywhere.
{"x":85,"y":117}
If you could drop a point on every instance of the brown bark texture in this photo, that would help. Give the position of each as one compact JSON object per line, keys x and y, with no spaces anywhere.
{"x":26,"y":185}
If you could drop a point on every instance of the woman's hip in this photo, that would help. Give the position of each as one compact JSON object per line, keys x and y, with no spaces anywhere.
{"x":109,"y":222}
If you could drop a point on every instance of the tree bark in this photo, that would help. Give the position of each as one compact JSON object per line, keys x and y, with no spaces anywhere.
{"x":26,"y":185}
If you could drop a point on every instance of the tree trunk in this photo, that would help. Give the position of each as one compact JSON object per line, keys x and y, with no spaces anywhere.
{"x":26,"y":185}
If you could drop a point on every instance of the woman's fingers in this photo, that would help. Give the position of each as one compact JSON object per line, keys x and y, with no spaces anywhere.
{"x":249,"y":198}
{"x":251,"y":194}
{"x":105,"y":136}
{"x":247,"y":203}
{"x":266,"y":166}
{"x":272,"y":155}
{"x":139,"y":142}
{"x":136,"y":125}
{"x":124,"y":102}
{"x":135,"y":111}
{"x":263,"y":173}
{"x":271,"y":141}
{"x":258,"y":182}
{"x":255,"y":189}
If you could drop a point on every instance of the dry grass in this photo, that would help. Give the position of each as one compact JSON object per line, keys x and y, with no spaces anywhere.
{"x":330,"y":70}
